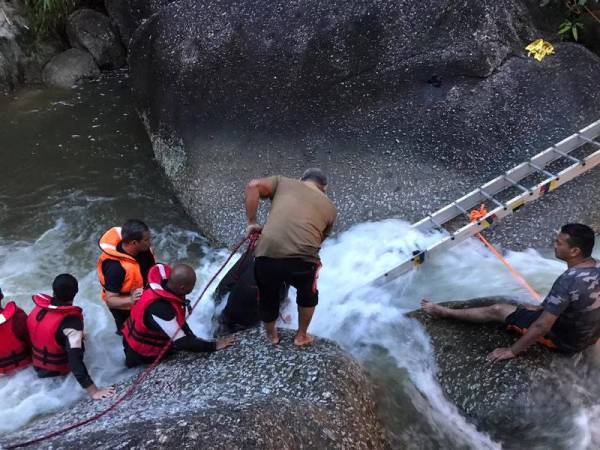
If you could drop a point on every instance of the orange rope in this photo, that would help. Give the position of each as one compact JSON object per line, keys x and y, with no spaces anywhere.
{"x":477,"y":214}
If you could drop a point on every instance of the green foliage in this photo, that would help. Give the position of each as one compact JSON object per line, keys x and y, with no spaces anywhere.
{"x":570,"y":28}
{"x":576,"y":11}
{"x":47,"y":15}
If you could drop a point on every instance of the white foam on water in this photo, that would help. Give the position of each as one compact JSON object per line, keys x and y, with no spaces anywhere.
{"x":350,"y":311}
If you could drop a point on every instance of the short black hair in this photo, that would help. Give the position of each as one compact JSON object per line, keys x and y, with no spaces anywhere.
{"x":133,"y":230}
{"x":65,"y":288}
{"x":315,"y":175}
{"x":580,"y":236}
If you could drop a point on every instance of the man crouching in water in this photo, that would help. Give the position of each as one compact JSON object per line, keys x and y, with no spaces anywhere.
{"x":569,"y":318}
{"x":56,"y":330}
{"x":159,"y":313}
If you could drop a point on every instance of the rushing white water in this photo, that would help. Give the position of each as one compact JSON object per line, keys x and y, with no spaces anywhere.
{"x":60,"y":197}
{"x":349,"y":312}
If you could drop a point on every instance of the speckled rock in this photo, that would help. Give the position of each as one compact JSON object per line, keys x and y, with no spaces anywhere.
{"x":127,"y":15}
{"x":68,"y":68}
{"x":407,"y":105}
{"x":538,"y":390}
{"x":252,"y":395}
{"x":92,"y":31}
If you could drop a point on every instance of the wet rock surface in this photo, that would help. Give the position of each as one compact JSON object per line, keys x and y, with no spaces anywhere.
{"x":539,"y":390}
{"x":405,"y":115}
{"x":127,"y":15}
{"x":22,"y":57}
{"x":92,"y":31}
{"x":69,"y":67}
{"x":252,"y":395}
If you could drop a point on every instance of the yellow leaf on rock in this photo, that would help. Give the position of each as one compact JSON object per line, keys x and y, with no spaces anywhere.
{"x":539,"y":49}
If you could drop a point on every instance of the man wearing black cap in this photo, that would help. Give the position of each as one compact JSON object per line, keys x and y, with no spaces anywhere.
{"x":301,"y":217}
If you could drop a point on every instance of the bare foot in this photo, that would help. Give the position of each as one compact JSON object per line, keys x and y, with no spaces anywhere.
{"x":303,"y":339}
{"x":433,"y":309}
{"x":273,"y":338}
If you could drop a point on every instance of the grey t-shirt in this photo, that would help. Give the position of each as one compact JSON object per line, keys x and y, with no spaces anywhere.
{"x":575,"y":299}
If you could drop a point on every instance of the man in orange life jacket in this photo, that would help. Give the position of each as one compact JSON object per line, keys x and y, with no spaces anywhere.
{"x":123,"y":267}
{"x":56,"y":332}
{"x":15,"y":349}
{"x":158,"y":315}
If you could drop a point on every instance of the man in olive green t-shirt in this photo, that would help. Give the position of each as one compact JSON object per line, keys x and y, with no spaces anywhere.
{"x":300,"y":218}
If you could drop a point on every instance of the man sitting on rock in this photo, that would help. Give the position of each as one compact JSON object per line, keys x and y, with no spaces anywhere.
{"x":569,"y":318}
{"x":56,"y":331}
{"x":160,"y":315}
{"x":287,"y":252}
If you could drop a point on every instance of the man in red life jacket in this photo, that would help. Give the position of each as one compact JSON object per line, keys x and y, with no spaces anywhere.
{"x":56,"y":332}
{"x":15,"y":349}
{"x":123,"y":267}
{"x":158,"y":315}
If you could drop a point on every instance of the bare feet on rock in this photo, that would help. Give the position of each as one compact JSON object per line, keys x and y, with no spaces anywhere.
{"x":302,"y":340}
{"x":273,"y":337}
{"x":433,"y":309}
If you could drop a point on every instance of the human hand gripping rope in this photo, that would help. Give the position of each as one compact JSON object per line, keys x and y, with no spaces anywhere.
{"x":251,"y":239}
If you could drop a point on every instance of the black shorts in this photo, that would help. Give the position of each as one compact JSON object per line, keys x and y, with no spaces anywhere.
{"x":273,"y":274}
{"x":520,"y":321}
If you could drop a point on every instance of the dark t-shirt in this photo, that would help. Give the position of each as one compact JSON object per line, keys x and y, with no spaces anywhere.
{"x":114,"y":274}
{"x":575,"y":299}
{"x":241,"y":309}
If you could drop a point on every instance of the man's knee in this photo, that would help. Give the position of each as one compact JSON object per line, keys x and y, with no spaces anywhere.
{"x":502,"y":310}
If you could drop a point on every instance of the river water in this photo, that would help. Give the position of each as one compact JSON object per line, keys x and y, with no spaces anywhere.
{"x":76,"y":162}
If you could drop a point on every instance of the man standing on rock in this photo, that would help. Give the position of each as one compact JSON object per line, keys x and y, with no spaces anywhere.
{"x":301,"y":217}
{"x":569,"y":318}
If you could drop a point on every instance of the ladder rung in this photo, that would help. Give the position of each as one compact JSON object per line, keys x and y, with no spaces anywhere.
{"x":435,"y":222}
{"x":566,"y":155}
{"x":519,"y":185}
{"x":540,"y":169}
{"x":588,"y":140}
{"x":492,"y":198}
{"x":463,"y":210}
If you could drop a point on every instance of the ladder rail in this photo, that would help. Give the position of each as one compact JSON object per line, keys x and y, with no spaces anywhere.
{"x":501,"y":211}
{"x":516,"y":174}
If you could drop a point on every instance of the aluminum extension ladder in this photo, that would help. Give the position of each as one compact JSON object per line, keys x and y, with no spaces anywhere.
{"x":490,"y":191}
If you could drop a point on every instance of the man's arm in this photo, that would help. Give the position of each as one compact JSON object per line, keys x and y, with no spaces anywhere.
{"x":114,"y":276}
{"x":163,"y":316}
{"x":72,"y":329}
{"x":116,"y":300}
{"x":255,"y":190}
{"x":538,"y":329}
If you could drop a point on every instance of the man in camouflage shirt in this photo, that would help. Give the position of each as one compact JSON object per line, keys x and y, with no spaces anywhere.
{"x":569,"y":318}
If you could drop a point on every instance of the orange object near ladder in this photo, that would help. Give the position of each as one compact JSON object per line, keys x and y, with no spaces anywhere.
{"x":477,"y":214}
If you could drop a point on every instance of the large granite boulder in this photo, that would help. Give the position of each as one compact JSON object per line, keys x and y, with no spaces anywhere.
{"x":127,"y":15}
{"x":252,"y":395}
{"x":530,"y":401}
{"x":69,"y":67}
{"x":92,"y":31}
{"x":407,"y":105}
{"x":22,"y":55}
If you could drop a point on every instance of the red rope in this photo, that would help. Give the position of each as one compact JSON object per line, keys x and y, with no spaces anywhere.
{"x":251,"y":243}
